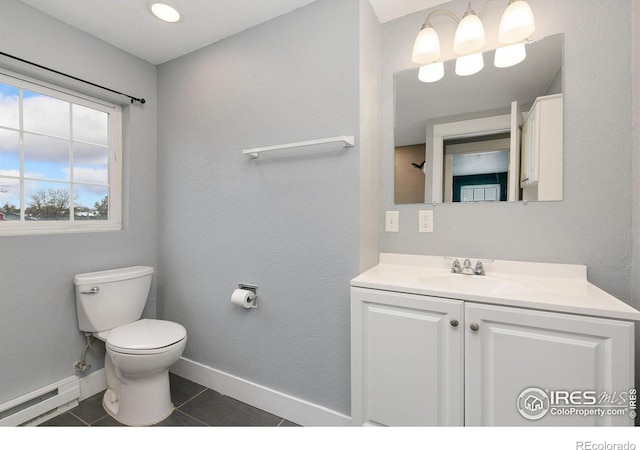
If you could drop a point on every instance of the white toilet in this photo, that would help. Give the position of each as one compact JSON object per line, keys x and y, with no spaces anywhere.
{"x":138,"y":351}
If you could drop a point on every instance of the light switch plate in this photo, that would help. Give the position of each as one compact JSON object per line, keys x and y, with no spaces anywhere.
{"x":391,"y":220}
{"x":425,"y":221}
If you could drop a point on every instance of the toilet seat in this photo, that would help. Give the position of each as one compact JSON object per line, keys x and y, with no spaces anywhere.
{"x":145,"y":337}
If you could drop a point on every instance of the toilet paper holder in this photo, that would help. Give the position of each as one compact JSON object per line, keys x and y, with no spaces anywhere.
{"x":252,"y":288}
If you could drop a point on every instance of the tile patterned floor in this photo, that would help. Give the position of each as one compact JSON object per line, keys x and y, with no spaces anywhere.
{"x":196,"y":406}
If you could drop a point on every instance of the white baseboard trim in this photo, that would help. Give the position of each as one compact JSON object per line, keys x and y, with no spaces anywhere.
{"x":282,"y":405}
{"x":93,"y":383}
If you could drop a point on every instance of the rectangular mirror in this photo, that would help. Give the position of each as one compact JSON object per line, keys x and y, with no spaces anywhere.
{"x":496,"y":135}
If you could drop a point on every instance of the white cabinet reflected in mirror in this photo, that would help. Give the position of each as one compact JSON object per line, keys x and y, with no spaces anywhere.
{"x":492,"y":136}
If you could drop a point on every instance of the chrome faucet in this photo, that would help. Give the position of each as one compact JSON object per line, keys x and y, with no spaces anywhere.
{"x":466,"y":269}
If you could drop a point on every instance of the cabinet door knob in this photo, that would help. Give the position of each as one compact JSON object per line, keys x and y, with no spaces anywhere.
{"x":454,"y":322}
{"x":474,"y":326}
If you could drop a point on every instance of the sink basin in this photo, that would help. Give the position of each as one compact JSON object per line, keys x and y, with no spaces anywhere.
{"x":490,"y":284}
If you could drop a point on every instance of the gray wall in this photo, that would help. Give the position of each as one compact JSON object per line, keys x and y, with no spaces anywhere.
{"x":593,"y":224}
{"x":288,"y":222}
{"x":38,"y":324}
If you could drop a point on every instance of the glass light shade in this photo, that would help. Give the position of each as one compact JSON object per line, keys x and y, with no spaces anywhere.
{"x":517,"y":23}
{"x":469,"y":37}
{"x":164,"y":11}
{"x":431,"y":72}
{"x":426,"y":49}
{"x":510,"y":55}
{"x":469,"y":64}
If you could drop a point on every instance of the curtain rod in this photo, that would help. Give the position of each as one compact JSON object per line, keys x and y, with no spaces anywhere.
{"x":133,"y":99}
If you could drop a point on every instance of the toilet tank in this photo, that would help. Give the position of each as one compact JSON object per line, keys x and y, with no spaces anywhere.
{"x":111,"y":298}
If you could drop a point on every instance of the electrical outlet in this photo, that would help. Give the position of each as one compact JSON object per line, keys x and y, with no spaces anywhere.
{"x":391,"y":220}
{"x":425,"y":221}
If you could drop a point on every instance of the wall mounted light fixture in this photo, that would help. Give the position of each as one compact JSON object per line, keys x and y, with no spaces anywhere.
{"x":516,"y":26}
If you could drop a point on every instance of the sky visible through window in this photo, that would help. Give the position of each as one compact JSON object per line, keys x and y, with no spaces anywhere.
{"x":55,"y":132}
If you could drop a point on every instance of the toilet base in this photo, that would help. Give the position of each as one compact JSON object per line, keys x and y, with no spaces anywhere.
{"x":138,"y":392}
{"x":140,"y":404}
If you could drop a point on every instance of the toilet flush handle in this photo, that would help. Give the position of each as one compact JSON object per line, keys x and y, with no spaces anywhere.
{"x":93,"y":290}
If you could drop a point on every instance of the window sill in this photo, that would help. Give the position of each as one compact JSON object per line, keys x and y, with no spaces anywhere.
{"x":25,"y":230}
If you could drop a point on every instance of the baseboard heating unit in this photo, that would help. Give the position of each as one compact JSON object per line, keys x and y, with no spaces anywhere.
{"x":41,"y":405}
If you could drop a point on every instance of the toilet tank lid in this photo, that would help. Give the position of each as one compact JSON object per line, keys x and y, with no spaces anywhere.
{"x":107,"y":276}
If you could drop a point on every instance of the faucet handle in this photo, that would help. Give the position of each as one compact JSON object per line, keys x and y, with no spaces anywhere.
{"x":479,"y":270}
{"x":455,"y":268}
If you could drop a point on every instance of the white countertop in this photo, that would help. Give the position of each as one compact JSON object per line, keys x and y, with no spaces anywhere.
{"x":550,"y":287}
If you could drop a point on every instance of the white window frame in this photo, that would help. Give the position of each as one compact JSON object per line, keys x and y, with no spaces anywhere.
{"x":114,"y":111}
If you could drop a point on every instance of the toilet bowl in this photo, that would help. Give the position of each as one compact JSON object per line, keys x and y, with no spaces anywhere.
{"x":139,"y":352}
{"x":137,"y":361}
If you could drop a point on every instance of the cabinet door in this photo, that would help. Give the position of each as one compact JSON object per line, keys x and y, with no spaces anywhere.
{"x":513,"y":350}
{"x":550,"y":161}
{"x":406,"y":359}
{"x":515,"y":144}
{"x":530,"y":148}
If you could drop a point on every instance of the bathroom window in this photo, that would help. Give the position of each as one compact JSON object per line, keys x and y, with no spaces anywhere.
{"x":60,"y":163}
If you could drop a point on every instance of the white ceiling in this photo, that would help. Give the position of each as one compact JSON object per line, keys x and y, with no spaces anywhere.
{"x":387,"y":10}
{"x":128,"y":25}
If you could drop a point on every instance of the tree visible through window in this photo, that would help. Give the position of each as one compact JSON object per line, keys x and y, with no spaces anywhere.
{"x":58,"y":159}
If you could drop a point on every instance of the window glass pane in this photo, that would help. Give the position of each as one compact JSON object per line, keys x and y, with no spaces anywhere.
{"x":90,"y":125}
{"x":47,"y":201}
{"x":46,"y":157}
{"x":9,"y":198}
{"x":9,"y":106}
{"x":44,"y":114}
{"x":9,"y":152}
{"x":56,"y":156}
{"x":91,"y":202}
{"x":90,"y":163}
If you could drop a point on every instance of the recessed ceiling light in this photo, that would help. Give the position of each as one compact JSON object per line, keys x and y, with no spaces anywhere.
{"x":164,"y":11}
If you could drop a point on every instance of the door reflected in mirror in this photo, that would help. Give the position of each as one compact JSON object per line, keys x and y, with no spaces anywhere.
{"x":476,"y":169}
{"x":492,"y":136}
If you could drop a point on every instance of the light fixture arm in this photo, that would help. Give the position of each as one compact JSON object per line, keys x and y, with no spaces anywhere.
{"x":452,"y":15}
{"x":485,"y":6}
{"x":441,"y":12}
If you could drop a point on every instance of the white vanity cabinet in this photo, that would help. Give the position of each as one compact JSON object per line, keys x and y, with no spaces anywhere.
{"x":432,"y":356}
{"x":427,"y":361}
{"x":541,"y":158}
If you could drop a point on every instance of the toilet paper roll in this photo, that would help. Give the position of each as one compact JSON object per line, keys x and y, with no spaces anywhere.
{"x":244,"y":298}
